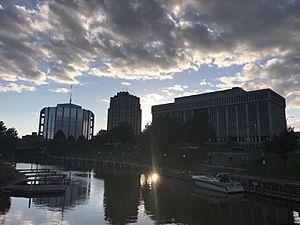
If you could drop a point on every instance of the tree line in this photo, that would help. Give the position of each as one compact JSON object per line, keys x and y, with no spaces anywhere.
{"x":163,"y":136}
{"x":9,"y":139}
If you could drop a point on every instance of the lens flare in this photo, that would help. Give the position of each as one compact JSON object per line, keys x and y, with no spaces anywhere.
{"x":154,"y":177}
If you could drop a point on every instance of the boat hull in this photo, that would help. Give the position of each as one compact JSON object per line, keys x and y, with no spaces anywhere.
{"x":211,"y":186}
{"x":219,"y":186}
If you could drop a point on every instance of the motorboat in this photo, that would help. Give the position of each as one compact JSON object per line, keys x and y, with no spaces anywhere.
{"x":221,"y":183}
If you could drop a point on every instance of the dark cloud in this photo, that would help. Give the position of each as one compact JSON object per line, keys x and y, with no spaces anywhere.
{"x":141,"y":39}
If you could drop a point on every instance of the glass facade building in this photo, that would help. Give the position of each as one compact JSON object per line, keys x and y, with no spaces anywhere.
{"x":244,"y":115}
{"x":125,"y":108}
{"x":71,"y":119}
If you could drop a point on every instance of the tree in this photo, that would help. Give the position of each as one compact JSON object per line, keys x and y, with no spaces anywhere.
{"x":8,"y":138}
{"x":58,"y":144}
{"x":100,"y":138}
{"x":165,"y":133}
{"x":82,"y":142}
{"x":70,"y":144}
{"x":123,"y":133}
{"x":283,"y":143}
{"x":2,"y":128}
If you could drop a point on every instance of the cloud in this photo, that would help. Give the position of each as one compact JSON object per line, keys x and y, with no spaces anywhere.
{"x":60,"y":90}
{"x":61,"y":40}
{"x":173,"y":90}
{"x":13,"y":87}
{"x":177,"y":87}
{"x":125,"y":83}
{"x":147,"y":101}
{"x":203,"y":82}
{"x":294,"y":123}
{"x":281,"y":74}
{"x":152,"y":98}
{"x":188,"y":93}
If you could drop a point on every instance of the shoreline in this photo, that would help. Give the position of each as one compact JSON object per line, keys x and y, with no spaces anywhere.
{"x":9,"y":175}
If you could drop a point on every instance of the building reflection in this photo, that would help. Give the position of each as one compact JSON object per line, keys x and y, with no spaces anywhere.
{"x":171,"y":202}
{"x":4,"y":204}
{"x":121,"y":198}
{"x":77,"y":193}
{"x":165,"y":205}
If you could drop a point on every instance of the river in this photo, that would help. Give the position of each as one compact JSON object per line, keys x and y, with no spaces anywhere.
{"x":121,"y":197}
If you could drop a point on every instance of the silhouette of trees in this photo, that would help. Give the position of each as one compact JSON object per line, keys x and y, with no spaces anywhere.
{"x":100,"y":138}
{"x":123,"y":133}
{"x":166,"y":133}
{"x":8,"y":138}
{"x":283,"y":143}
{"x":58,"y":144}
{"x":81,"y":142}
{"x":70,"y":144}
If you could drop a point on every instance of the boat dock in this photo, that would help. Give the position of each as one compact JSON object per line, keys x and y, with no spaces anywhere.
{"x":44,"y":182}
{"x":270,"y":187}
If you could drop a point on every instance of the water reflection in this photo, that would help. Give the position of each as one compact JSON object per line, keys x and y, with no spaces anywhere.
{"x":149,"y":179}
{"x":171,"y":201}
{"x":76,"y":194}
{"x":119,"y":196}
{"x":4,"y":204}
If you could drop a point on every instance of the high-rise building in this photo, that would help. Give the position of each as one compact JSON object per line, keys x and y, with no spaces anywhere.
{"x":70,"y":118}
{"x":125,"y":108}
{"x":244,"y":115}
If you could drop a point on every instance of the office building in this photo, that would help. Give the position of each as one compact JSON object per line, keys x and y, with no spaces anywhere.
{"x":244,"y":115}
{"x":70,"y":118}
{"x":125,"y":108}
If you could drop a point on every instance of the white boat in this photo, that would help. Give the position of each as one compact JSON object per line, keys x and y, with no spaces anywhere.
{"x":220,"y":183}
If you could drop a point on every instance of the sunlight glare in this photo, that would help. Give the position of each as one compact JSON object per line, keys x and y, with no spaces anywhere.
{"x":154,"y":177}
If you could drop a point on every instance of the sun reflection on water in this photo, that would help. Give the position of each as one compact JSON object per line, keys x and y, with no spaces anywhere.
{"x":149,"y":179}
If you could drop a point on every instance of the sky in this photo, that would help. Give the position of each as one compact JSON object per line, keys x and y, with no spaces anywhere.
{"x":156,"y":50}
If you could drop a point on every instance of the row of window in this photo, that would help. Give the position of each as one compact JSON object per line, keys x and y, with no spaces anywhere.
{"x":237,"y":119}
{"x":255,"y":96}
{"x":75,"y":122}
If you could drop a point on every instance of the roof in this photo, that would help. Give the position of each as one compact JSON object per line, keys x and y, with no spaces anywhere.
{"x":68,"y":105}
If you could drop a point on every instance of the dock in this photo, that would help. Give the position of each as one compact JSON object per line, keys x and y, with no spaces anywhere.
{"x":270,"y":187}
{"x":44,"y":182}
{"x":36,"y":190}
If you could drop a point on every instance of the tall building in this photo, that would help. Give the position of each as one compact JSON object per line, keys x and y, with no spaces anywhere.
{"x":244,"y":115}
{"x":70,"y":118}
{"x":125,"y":108}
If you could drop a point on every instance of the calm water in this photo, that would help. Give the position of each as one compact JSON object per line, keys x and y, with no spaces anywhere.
{"x":119,"y":197}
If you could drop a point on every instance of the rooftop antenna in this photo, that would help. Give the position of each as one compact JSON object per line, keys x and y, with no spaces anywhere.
{"x":71,"y":95}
